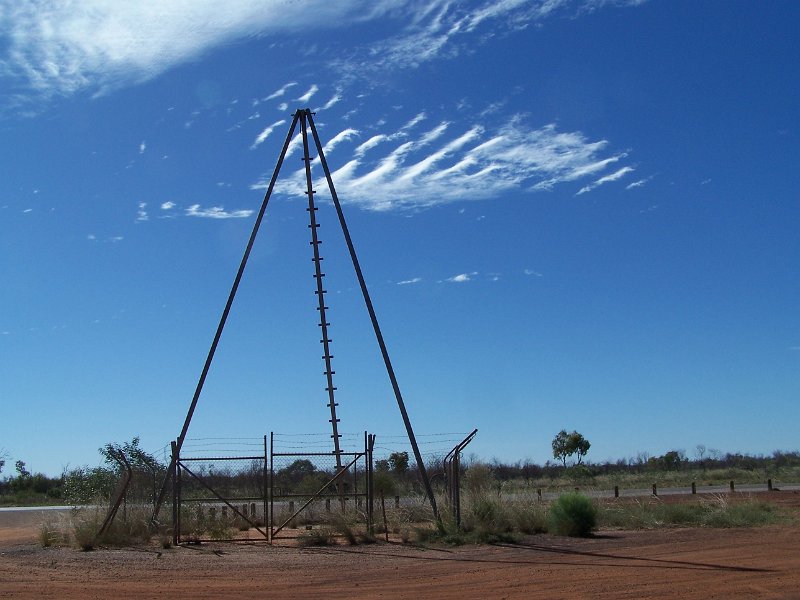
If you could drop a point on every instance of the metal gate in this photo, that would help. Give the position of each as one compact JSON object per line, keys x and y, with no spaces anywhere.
{"x":308,"y":488}
{"x":218,"y":497}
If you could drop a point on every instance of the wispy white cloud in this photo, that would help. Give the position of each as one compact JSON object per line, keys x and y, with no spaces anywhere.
{"x":167,"y":205}
{"x":638,"y":183}
{"x":605,"y":179}
{"x":412,"y":167}
{"x":266,"y":133}
{"x":141,"y":213}
{"x":309,"y":94}
{"x":370,"y":143}
{"x":531,"y":272}
{"x":67,"y":46}
{"x":142,"y":147}
{"x":216,"y":212}
{"x":338,"y":138}
{"x":410,"y":281}
{"x":461,"y":277}
{"x":334,"y":100}
{"x":280,"y":92}
{"x":63,"y":47}
{"x":443,"y":29}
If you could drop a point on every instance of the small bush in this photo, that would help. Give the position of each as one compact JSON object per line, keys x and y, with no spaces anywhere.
{"x":574,"y":515}
{"x":322,"y":536}
{"x":50,"y":534}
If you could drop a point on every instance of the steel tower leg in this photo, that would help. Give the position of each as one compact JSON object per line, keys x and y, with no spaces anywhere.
{"x":227,"y":310}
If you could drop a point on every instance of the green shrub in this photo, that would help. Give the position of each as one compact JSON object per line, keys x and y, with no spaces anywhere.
{"x":574,"y":515}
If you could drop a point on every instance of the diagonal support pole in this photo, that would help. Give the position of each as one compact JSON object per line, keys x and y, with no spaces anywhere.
{"x":224,"y":318}
{"x":376,"y":327}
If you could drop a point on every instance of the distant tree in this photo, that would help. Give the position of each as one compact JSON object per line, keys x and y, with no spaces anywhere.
{"x":135,"y":455}
{"x":569,"y":444}
{"x":22,"y":471}
{"x":298,"y":470}
{"x":399,"y":462}
{"x":671,"y":461}
{"x":700,"y":451}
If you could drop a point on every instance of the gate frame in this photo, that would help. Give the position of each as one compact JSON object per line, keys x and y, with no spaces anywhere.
{"x":179,"y":467}
{"x":368,"y":495}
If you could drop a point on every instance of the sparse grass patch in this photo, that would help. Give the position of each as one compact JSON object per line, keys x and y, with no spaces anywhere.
{"x":320,"y":536}
{"x":132,"y":529}
{"x":51,"y":533}
{"x":716,"y":511}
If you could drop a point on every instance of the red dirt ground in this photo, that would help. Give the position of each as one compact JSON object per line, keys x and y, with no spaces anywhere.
{"x":668,"y":563}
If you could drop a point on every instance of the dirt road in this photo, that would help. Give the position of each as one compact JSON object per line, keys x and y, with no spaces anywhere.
{"x":671,"y":563}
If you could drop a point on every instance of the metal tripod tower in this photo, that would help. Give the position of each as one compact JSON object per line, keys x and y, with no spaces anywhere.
{"x":306,"y":121}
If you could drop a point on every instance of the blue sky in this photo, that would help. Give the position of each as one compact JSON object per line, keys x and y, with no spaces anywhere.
{"x":575,"y":214}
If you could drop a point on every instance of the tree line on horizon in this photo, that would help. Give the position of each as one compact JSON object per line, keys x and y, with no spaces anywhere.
{"x":76,"y":483}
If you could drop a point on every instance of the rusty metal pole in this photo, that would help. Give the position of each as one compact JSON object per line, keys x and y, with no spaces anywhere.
{"x":266,"y":488}
{"x":271,"y":485}
{"x":173,"y":471}
{"x":376,"y":327}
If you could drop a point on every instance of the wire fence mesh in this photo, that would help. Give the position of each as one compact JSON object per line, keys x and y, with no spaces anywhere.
{"x":287,"y":481}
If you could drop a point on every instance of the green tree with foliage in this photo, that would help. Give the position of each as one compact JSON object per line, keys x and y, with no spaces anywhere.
{"x":569,"y":444}
{"x":398,"y":461}
{"x":138,"y":459}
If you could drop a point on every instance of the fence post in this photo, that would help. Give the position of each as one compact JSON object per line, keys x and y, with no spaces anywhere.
{"x":655,"y":490}
{"x":175,"y":532}
{"x":694,"y":487}
{"x":769,"y":485}
{"x":732,"y":488}
{"x":539,"y":494}
{"x":616,"y":491}
{"x":397,"y":501}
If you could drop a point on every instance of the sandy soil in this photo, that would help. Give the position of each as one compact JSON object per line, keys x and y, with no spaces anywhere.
{"x":673,"y":563}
